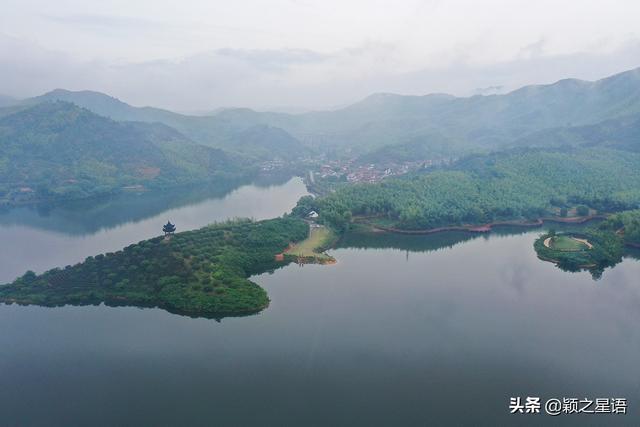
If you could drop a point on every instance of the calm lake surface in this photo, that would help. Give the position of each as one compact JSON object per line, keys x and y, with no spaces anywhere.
{"x":40,"y":239}
{"x":403,"y":330}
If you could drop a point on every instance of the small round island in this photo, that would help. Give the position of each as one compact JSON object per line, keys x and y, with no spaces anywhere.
{"x":570,"y":251}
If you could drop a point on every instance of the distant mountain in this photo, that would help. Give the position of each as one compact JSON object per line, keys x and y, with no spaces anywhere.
{"x":6,"y":101}
{"x":622,"y":133}
{"x":105,"y":105}
{"x":423,"y":122}
{"x":99,"y":103}
{"x":483,"y":121}
{"x":266,"y":142}
{"x":223,"y":130}
{"x":432,"y":146}
{"x":59,"y":150}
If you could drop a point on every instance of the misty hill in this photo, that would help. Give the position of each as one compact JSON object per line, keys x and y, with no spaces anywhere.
{"x":622,"y":133}
{"x":481,"y":121}
{"x":59,"y":150}
{"x":226,"y":129}
{"x":265,"y":142}
{"x":6,"y":101}
{"x":433,"y":124}
{"x":428,"y":146}
{"x":107,"y":106}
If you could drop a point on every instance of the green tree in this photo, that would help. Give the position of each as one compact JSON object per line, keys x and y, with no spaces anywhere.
{"x":582,"y":210}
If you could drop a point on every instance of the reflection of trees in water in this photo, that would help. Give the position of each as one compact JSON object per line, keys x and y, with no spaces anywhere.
{"x":362,"y":239}
{"x":596,"y":272}
{"x":90,"y":215}
{"x":410,"y":243}
{"x":633,"y":253}
{"x":429,"y":242}
{"x":272,"y":180}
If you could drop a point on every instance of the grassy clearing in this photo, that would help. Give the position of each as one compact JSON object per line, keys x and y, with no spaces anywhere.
{"x":567,"y":244}
{"x":319,"y":238}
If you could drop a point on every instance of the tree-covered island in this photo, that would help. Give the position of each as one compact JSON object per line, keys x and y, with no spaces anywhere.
{"x":200,"y":273}
{"x":594,"y":248}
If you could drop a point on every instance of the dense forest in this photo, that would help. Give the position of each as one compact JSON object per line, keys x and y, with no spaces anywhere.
{"x":626,"y":225}
{"x":56,"y":150}
{"x":518,"y":184}
{"x":201,"y":273}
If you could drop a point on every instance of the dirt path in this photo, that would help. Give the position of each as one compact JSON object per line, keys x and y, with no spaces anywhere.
{"x":585,"y":241}
{"x":547,"y":242}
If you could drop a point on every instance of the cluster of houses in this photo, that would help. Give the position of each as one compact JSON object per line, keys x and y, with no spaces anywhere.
{"x":350,"y":171}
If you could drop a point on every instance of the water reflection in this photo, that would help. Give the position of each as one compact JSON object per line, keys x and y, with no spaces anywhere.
{"x":362,"y":238}
{"x":443,"y":338}
{"x":71,"y":232}
{"x":81,"y":217}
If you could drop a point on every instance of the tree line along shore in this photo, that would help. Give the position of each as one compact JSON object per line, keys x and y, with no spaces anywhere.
{"x":205,"y":272}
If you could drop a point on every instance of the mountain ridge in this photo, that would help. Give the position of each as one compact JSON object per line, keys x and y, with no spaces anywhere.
{"x":477,"y":122}
{"x":59,"y":150}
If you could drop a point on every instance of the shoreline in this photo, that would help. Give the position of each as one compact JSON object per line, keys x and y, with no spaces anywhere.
{"x":485,"y":228}
{"x":317,"y":255}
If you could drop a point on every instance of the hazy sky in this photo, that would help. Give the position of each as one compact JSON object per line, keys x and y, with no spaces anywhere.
{"x":204,"y":54}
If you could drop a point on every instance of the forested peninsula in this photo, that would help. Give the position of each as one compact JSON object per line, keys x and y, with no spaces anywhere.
{"x":200,"y":273}
{"x":205,"y":272}
{"x":522,"y":185}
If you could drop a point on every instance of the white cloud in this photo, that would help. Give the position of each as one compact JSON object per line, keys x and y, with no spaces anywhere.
{"x":200,"y":54}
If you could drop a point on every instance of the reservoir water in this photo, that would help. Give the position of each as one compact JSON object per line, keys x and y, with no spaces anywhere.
{"x":44,"y":238}
{"x":403,"y":330}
